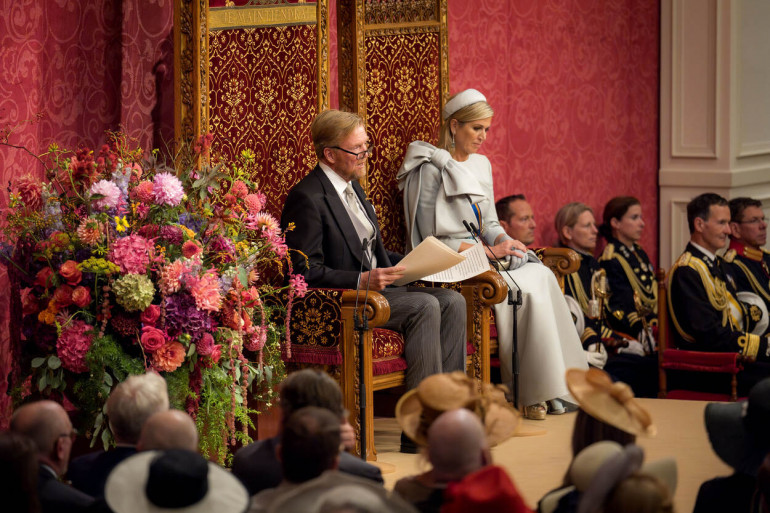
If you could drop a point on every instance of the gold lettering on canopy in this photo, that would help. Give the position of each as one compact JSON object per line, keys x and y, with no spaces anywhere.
{"x":262,"y":16}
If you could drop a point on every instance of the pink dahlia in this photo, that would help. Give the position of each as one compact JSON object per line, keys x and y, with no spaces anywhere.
{"x":264,"y":222}
{"x":171,"y":275}
{"x":30,"y":192}
{"x":169,"y":357}
{"x":110,"y":193}
{"x":132,"y":254}
{"x":190,"y":249}
{"x":90,"y":232}
{"x":144,"y":192}
{"x":239,"y":189}
{"x":255,"y":202}
{"x":73,"y":344}
{"x":205,"y":291}
{"x":168,"y":189}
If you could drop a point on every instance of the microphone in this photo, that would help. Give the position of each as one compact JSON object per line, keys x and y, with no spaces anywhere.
{"x":361,"y":324}
{"x":514,"y":304}
{"x":364,"y":244}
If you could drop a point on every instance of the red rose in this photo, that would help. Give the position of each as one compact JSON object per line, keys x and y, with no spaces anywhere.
{"x":43,"y":278}
{"x":216,"y":353}
{"x":81,"y":296}
{"x":70,"y":272}
{"x":150,"y":315}
{"x":152,"y":339}
{"x":62,"y":296}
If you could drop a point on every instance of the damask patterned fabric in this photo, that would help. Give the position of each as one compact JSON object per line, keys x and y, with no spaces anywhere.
{"x":84,"y":67}
{"x":574,"y":86}
{"x":263,"y":98}
{"x":402,"y":106}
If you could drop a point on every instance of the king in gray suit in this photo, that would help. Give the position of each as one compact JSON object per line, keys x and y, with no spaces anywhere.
{"x":331,"y":219}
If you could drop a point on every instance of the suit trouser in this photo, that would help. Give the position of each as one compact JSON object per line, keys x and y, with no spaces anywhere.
{"x":433,"y":322}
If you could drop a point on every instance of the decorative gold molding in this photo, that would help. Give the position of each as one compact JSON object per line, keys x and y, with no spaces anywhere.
{"x":262,"y":16}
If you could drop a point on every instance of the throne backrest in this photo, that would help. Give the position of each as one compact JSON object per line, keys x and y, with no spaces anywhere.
{"x":394,"y":72}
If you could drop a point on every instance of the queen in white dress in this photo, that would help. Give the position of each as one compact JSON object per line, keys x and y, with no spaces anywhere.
{"x":450,"y":184}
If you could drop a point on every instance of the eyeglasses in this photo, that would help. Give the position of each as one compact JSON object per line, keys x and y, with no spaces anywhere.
{"x":361,"y":154}
{"x":754,"y":220}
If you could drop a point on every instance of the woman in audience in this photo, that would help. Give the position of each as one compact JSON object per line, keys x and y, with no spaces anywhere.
{"x":633,"y":305}
{"x":608,"y":411}
{"x":18,"y":474}
{"x":448,"y":188}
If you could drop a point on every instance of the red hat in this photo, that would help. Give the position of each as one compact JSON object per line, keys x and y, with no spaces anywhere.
{"x":489,"y":488}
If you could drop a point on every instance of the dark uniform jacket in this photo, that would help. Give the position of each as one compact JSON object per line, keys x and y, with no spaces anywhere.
{"x":578,"y":286}
{"x":699,"y":302}
{"x":750,"y":269}
{"x":628,"y":271}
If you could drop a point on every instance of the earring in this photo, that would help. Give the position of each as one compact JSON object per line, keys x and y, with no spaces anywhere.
{"x":453,"y":139}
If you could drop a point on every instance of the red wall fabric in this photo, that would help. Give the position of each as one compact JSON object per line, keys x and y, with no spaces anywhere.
{"x":85,"y":67}
{"x":574,"y":86}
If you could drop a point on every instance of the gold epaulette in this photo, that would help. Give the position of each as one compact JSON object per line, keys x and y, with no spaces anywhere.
{"x":753,"y":254}
{"x":684,"y":259}
{"x":730,"y":256}
{"x":609,"y":250}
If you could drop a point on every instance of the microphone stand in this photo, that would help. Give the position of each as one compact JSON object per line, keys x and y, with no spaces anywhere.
{"x":515,"y":303}
{"x":361,"y":325}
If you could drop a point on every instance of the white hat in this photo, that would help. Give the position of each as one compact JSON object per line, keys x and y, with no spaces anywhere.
{"x":174,"y":480}
{"x":463,"y":99}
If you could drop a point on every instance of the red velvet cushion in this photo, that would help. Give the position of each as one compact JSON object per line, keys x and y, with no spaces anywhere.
{"x":701,"y":361}
{"x":387,"y":352}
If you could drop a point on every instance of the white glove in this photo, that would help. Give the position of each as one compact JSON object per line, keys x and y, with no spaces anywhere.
{"x":634,"y":347}
{"x":515,"y":262}
{"x":647,"y":340}
{"x":596,"y":358}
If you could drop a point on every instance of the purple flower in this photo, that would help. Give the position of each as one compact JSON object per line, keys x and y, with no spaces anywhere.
{"x":183,"y":317}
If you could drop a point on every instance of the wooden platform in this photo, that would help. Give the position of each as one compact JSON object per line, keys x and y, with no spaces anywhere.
{"x":537,"y":464}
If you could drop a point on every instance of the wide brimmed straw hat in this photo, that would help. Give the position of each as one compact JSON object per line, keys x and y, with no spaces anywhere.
{"x":612,"y":403}
{"x":174,"y":480}
{"x":436,"y":394}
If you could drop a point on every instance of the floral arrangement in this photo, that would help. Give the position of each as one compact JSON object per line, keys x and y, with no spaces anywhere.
{"x":126,"y":265}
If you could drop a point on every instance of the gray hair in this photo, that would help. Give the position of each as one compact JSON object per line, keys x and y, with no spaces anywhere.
{"x":134,"y":401}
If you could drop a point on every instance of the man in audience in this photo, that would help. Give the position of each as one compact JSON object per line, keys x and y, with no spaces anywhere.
{"x":516,"y":217}
{"x":49,"y":426}
{"x":704,"y":312}
{"x":169,"y":429}
{"x":310,"y":445}
{"x":457,"y":446}
{"x":331,"y":217}
{"x":130,"y":404}
{"x":746,"y":261}
{"x":257,"y":465}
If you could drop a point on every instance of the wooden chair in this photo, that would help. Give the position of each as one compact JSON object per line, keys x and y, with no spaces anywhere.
{"x":323,"y":336}
{"x":672,"y":359}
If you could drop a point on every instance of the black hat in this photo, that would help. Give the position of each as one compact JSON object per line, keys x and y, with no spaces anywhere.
{"x":740,"y":432}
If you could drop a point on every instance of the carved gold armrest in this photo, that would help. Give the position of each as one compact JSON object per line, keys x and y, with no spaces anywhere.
{"x":562,"y":261}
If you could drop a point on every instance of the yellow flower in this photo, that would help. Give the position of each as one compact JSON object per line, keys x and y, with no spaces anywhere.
{"x":121,"y":224}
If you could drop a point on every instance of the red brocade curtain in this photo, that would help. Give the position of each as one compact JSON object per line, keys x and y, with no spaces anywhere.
{"x":71,"y":70}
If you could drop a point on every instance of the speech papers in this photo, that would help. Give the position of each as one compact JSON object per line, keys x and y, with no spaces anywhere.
{"x":432,"y":260}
